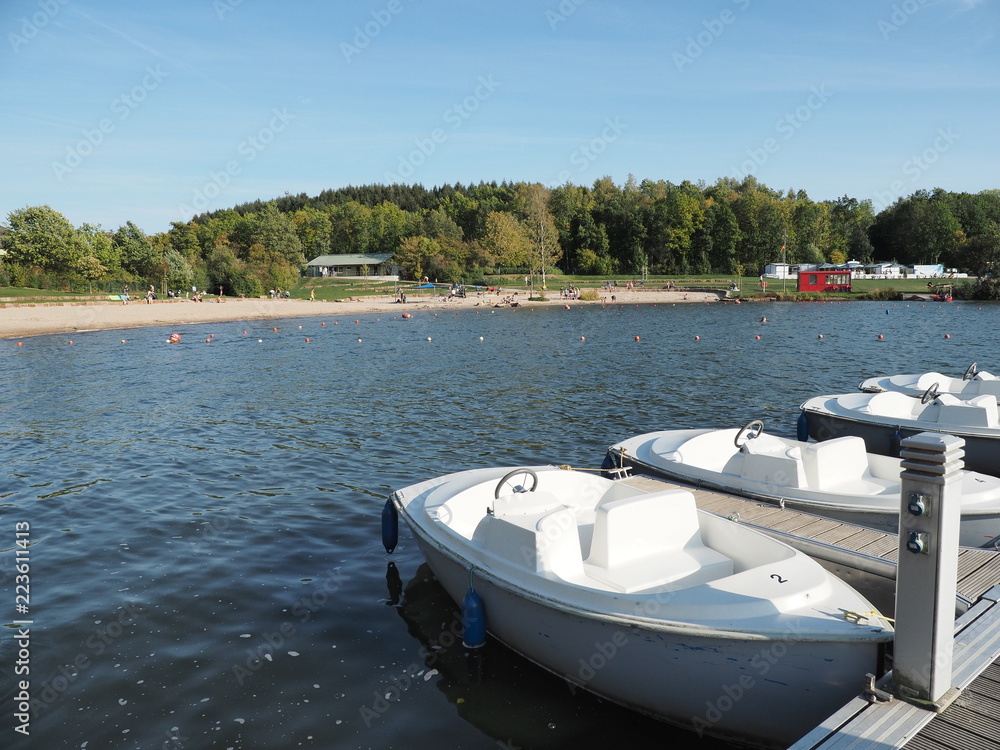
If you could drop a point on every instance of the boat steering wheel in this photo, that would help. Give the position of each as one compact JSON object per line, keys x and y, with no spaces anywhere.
{"x":970,"y":372}
{"x":518,"y":487}
{"x":752,"y":430}
{"x":930,"y":394}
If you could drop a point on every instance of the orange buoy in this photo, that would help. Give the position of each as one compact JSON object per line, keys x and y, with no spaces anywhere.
{"x":583,"y":338}
{"x":881,"y":336}
{"x":697,"y":338}
{"x":820,"y":336}
{"x":357,"y":321}
{"x":275,"y":328}
{"x":175,"y":338}
{"x":123,"y":341}
{"x":244,"y":333}
{"x":322,"y":324}
{"x":757,"y":337}
{"x":636,"y":338}
{"x":947,"y":336}
{"x":20,"y":343}
{"x":211,"y":335}
{"x":207,"y":341}
{"x":300,"y":328}
{"x":307,"y":341}
{"x":71,"y":342}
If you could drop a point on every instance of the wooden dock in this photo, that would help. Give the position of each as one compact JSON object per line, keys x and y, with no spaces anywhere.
{"x":972,"y":720}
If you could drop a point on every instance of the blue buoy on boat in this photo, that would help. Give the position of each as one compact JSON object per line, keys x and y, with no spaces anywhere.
{"x":894,"y":443}
{"x":606,"y":464}
{"x":390,"y":526}
{"x":473,"y":618}
{"x":802,"y":428}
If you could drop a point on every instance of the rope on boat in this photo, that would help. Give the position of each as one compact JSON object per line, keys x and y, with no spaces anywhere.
{"x":857,"y":617}
{"x":567,"y":467}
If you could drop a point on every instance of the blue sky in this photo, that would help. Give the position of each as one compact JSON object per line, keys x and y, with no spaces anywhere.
{"x":150,"y":112}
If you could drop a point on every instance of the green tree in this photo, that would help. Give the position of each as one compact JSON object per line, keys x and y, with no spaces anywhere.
{"x":138,"y":256}
{"x":506,"y":240}
{"x":352,"y":228}
{"x":275,"y":231}
{"x":41,"y":236}
{"x":540,"y":228}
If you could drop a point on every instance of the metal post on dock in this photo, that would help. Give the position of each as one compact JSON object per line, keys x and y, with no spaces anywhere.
{"x":929,"y":517}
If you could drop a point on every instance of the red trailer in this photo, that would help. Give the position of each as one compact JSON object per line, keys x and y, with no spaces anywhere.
{"x":824,"y":281}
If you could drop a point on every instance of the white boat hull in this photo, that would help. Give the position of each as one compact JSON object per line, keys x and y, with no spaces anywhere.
{"x":762,"y":692}
{"x":685,"y":656}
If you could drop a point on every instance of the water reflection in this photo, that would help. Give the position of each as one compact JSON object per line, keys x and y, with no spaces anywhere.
{"x":509,"y":698}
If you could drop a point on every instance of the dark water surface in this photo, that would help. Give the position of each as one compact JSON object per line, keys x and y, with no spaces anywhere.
{"x":205,"y":562}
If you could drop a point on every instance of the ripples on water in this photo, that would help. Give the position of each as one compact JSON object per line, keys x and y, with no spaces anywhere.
{"x":207,"y":570}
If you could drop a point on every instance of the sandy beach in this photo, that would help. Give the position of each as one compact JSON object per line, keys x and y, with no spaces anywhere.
{"x":28,"y":319}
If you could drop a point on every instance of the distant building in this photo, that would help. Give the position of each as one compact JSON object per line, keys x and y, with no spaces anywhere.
{"x":778,"y":271}
{"x":373,"y":265}
{"x":825,"y":280}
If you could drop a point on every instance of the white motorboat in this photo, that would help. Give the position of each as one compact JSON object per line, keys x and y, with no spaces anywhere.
{"x":834,"y":478}
{"x":643,"y":599}
{"x":883,"y":419}
{"x":974,"y":382}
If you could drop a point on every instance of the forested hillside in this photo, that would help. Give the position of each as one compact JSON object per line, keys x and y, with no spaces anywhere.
{"x":466,"y":232}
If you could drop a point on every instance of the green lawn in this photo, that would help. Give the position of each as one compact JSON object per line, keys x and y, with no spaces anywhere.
{"x":345,"y":288}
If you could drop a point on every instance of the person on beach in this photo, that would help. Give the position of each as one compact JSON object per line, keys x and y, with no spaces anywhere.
{"x":312,"y":295}
{"x":150,"y":295}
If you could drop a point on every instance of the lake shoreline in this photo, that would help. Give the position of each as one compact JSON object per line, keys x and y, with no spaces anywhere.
{"x":37,"y":319}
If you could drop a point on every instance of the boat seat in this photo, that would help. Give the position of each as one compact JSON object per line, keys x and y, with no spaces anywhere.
{"x":781,"y":466}
{"x":549,"y":544}
{"x":979,"y":411}
{"x":833,"y":463}
{"x":650,"y":541}
{"x":890,"y":404}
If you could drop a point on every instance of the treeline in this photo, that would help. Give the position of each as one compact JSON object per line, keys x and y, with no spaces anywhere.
{"x":466,"y":232}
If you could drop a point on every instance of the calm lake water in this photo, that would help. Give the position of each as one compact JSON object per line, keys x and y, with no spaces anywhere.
{"x":205,"y":561}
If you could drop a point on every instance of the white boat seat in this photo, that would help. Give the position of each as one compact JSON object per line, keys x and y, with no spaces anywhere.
{"x":834,"y":463}
{"x":781,"y":467}
{"x":979,"y":411}
{"x":550,"y":544}
{"x":890,"y":404}
{"x":650,"y":541}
